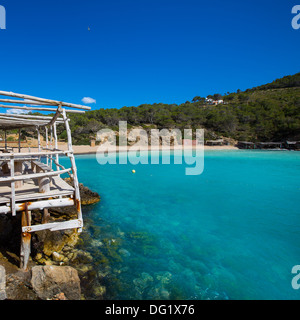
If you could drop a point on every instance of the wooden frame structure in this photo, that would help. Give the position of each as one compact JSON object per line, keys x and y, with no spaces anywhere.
{"x":28,"y":183}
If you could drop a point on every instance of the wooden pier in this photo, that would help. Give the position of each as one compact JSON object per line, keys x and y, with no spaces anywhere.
{"x":32,"y":180}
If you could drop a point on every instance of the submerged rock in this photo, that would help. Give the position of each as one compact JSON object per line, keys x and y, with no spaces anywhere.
{"x":124,"y":252}
{"x":143,"y":282}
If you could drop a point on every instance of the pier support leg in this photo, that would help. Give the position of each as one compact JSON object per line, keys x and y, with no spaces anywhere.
{"x":25,"y":239}
{"x":46,"y":216}
{"x":74,"y":169}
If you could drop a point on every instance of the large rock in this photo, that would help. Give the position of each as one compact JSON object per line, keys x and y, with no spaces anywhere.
{"x":2,"y":283}
{"x":49,"y":282}
{"x":87,"y":196}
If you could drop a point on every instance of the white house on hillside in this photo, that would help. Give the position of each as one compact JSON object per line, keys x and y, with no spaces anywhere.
{"x":212,"y":101}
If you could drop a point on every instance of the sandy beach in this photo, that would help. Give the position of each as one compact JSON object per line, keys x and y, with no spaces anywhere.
{"x":92,"y":150}
{"x":83,"y":149}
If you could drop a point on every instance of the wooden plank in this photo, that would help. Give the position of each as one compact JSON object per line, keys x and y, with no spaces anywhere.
{"x":47,"y":101}
{"x":39,"y":139}
{"x":57,"y":114}
{"x":19,"y":140}
{"x":34,"y":175}
{"x":27,"y":108}
{"x":40,"y":205}
{"x":30,"y":191}
{"x":54,"y":226}
{"x":42,"y":165}
{"x":44,"y":182}
{"x":24,"y":120}
{"x":47,"y":143}
{"x":13,"y":200}
{"x":56,"y":147}
{"x":29,"y":154}
{"x":29,"y":116}
{"x":25,"y":239}
{"x":24,"y":102}
{"x":74,"y":169}
{"x":18,"y":172}
{"x":38,"y":108}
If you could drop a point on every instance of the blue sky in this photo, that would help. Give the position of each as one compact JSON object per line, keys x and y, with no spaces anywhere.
{"x":145,"y":51}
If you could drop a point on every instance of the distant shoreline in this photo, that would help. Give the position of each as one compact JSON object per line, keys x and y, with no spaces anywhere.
{"x":83,"y":149}
{"x":78,"y":150}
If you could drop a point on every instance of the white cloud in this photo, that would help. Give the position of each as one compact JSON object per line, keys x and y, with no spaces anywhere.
{"x":88,"y":100}
{"x":30,"y":102}
{"x":17,"y":111}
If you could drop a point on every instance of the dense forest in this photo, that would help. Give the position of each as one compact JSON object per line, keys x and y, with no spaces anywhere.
{"x":269,"y":112}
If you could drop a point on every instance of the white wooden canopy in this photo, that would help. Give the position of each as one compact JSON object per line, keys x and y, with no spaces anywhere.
{"x":26,"y":103}
{"x":26,"y":183}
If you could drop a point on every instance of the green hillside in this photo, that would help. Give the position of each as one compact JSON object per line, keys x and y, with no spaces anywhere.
{"x":270,"y":112}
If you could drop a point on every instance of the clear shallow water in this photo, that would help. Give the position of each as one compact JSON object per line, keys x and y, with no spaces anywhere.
{"x":232,"y":232}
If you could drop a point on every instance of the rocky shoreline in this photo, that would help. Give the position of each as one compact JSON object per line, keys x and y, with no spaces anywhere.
{"x":59,"y":267}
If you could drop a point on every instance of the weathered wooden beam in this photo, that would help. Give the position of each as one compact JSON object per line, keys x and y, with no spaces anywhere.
{"x":19,"y":140}
{"x":12,"y":186}
{"x":25,"y":102}
{"x":44,"y":182}
{"x":51,"y":143}
{"x":27,"y":108}
{"x":31,"y":117}
{"x":57,"y":114}
{"x":25,"y":154}
{"x":34,"y":176}
{"x":46,"y":216}
{"x":40,"y":205}
{"x":54,"y":226}
{"x":38,"y":138}
{"x":25,"y":239}
{"x":56,"y":146}
{"x":47,"y":144}
{"x":5,"y":139}
{"x":22,"y":120}
{"x":18,"y":172}
{"x":74,"y":169}
{"x":38,"y":109}
{"x":52,"y":102}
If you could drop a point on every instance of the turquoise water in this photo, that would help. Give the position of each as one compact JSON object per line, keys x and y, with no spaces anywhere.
{"x":232,"y":232}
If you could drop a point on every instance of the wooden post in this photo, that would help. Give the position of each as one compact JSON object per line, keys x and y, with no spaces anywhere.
{"x":74,"y":169}
{"x":56,"y":145}
{"x":39,"y":138}
{"x":51,"y":144}
{"x":13,"y":192}
{"x":5,"y":140}
{"x":20,"y":140}
{"x":44,"y":182}
{"x":46,"y":216}
{"x":25,"y":239}
{"x":18,"y":172}
{"x":39,"y":141}
{"x":47,"y":144}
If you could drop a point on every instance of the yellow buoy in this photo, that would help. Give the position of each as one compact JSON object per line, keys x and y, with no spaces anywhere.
{"x":133,"y":171}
